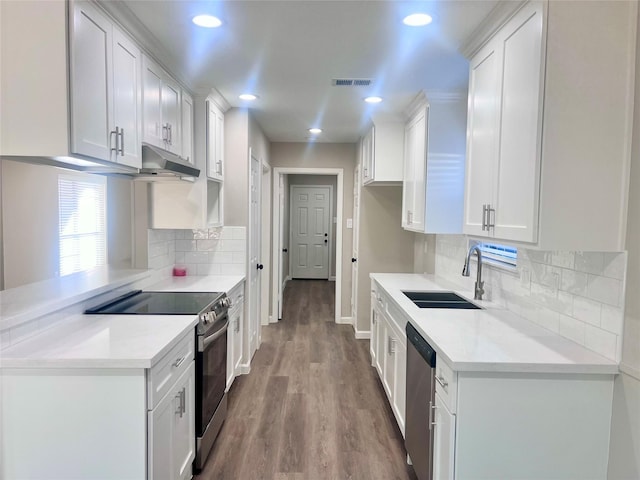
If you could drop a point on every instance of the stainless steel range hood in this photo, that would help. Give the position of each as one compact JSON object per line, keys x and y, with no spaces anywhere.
{"x":159,"y":162}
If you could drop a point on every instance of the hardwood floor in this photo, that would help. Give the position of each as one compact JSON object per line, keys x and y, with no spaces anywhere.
{"x":312,"y":406}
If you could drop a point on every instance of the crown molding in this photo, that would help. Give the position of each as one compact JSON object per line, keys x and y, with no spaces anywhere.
{"x":496,"y":18}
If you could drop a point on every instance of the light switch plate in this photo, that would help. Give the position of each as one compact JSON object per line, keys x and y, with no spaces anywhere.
{"x":349,"y":222}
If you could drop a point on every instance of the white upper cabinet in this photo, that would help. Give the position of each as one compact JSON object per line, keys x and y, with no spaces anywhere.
{"x":127,"y":98}
{"x":162,"y":108}
{"x":382,"y":154}
{"x":91,"y":85}
{"x":434,"y":160}
{"x":215,"y":142}
{"x":548,"y":127}
{"x":105,"y":89}
{"x":187,"y":127}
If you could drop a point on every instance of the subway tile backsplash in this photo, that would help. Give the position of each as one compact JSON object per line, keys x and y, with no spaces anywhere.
{"x":213,"y":251}
{"x":578,"y":295}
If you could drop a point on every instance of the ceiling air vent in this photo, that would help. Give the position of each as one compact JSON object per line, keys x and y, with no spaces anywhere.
{"x":351,"y":82}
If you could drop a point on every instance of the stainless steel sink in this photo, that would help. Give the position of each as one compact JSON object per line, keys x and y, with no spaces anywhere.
{"x":438,"y":299}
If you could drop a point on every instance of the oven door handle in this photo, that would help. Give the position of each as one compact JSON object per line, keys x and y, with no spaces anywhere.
{"x":214,"y":336}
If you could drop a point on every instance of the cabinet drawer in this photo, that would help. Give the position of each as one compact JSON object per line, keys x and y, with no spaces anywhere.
{"x":398,"y":318}
{"x":164,"y":374}
{"x":446,"y":384}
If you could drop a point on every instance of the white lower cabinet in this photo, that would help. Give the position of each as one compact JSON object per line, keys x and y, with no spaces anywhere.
{"x":444,"y":438}
{"x":171,"y":431}
{"x":389,"y":353}
{"x":235,"y":333}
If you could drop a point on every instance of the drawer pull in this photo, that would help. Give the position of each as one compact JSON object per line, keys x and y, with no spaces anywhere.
{"x":179,"y":361}
{"x":443,"y":383}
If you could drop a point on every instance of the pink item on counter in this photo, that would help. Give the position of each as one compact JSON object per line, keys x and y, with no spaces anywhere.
{"x":179,"y":271}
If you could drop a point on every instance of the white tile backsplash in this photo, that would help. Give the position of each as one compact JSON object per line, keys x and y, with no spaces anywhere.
{"x":213,"y":251}
{"x":576,"y":294}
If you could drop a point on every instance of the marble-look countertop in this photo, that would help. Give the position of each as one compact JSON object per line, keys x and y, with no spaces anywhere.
{"x":489,"y":340}
{"x":114,"y":341}
{"x":22,"y":304}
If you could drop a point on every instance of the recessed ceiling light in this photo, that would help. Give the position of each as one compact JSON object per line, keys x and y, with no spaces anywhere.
{"x":373,"y":99}
{"x":417,"y":20}
{"x":315,"y":131}
{"x":247,"y":96}
{"x":206,"y":21}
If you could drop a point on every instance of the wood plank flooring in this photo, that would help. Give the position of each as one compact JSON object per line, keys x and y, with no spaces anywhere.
{"x":312,"y":406}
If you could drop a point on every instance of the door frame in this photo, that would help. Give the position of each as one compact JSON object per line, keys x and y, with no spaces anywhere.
{"x":277,"y":247}
{"x":247,"y":354}
{"x":330,"y":187}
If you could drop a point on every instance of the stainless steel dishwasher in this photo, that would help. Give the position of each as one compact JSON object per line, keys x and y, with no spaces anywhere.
{"x":421,"y":368}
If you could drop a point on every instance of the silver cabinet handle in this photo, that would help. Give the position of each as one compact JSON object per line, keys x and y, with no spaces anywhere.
{"x":443,"y":383}
{"x":180,"y":401}
{"x":219,"y":169}
{"x":122,"y":142}
{"x":165,"y":132}
{"x":179,"y":361}
{"x":432,"y":422}
{"x":484,"y":216}
{"x":184,"y":399}
{"x":391,"y":345}
{"x":491,"y":224}
{"x":115,"y":132}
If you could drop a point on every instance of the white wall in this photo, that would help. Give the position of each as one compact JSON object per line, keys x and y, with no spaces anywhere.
{"x":321,"y":180}
{"x":624,"y":453}
{"x":326,"y":155}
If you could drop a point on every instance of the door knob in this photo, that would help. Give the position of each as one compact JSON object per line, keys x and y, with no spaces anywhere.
{"x":354,"y":260}
{"x":326,"y":234}
{"x":259,"y":266}
{"x":325,"y":240}
{"x":285,"y":250}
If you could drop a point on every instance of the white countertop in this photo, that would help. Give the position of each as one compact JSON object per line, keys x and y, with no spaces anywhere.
{"x":114,"y":341}
{"x":490,"y":340}
{"x":21,"y":304}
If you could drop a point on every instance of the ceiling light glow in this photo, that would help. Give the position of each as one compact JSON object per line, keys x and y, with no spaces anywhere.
{"x":248,"y":96}
{"x":417,"y":20}
{"x":207,"y":21}
{"x":373,"y":99}
{"x":315,"y":131}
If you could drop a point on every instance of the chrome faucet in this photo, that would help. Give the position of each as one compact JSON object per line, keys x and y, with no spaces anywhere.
{"x":479,"y":290}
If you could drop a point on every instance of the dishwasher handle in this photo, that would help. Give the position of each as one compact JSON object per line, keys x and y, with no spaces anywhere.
{"x":424,"y":349}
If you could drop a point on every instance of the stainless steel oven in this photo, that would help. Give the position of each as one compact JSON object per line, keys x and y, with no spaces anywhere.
{"x":211,"y":356}
{"x":211,"y":399}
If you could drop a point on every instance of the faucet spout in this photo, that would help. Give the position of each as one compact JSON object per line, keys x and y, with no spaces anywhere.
{"x":479,"y":286}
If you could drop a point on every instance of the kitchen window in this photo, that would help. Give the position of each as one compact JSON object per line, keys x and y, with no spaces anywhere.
{"x":82,"y":223}
{"x":499,"y":255}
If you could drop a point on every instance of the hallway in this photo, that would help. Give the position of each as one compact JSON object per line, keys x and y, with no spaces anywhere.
{"x":312,"y":406}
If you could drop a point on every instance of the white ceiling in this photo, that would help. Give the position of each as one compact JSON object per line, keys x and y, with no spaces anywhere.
{"x":287,"y":52}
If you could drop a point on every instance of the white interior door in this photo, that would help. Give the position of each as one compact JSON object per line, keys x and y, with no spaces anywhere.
{"x":310,"y":234}
{"x":356,"y":238}
{"x":281,"y":252}
{"x":254,"y":255}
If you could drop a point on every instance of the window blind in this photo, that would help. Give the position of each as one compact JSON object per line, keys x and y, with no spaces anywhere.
{"x":82,"y":223}
{"x":500,"y":254}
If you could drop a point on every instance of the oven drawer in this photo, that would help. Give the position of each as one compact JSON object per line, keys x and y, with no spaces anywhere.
{"x":166,"y":372}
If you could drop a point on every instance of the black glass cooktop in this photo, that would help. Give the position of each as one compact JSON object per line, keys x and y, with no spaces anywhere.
{"x":157,"y":303}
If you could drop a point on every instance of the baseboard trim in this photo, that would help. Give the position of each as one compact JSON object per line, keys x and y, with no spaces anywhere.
{"x":332,"y":278}
{"x":244,"y":369}
{"x":345,"y":321}
{"x":362,"y":334}
{"x":272,"y":319}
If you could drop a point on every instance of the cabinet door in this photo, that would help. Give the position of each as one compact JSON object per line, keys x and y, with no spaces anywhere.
{"x":375,"y":319}
{"x":381,"y":339}
{"x":238,"y":332}
{"x":220,"y":142}
{"x":415,"y":172}
{"x":171,"y":115}
{"x":400,"y":386}
{"x":215,"y":148}
{"x":482,"y":136}
{"x":516,"y":204}
{"x":367,"y":156}
{"x":444,"y":441}
{"x":390,"y":346}
{"x":91,"y":83}
{"x":184,"y":434}
{"x":187,"y":127}
{"x":153,"y":132}
{"x":127,"y":99}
